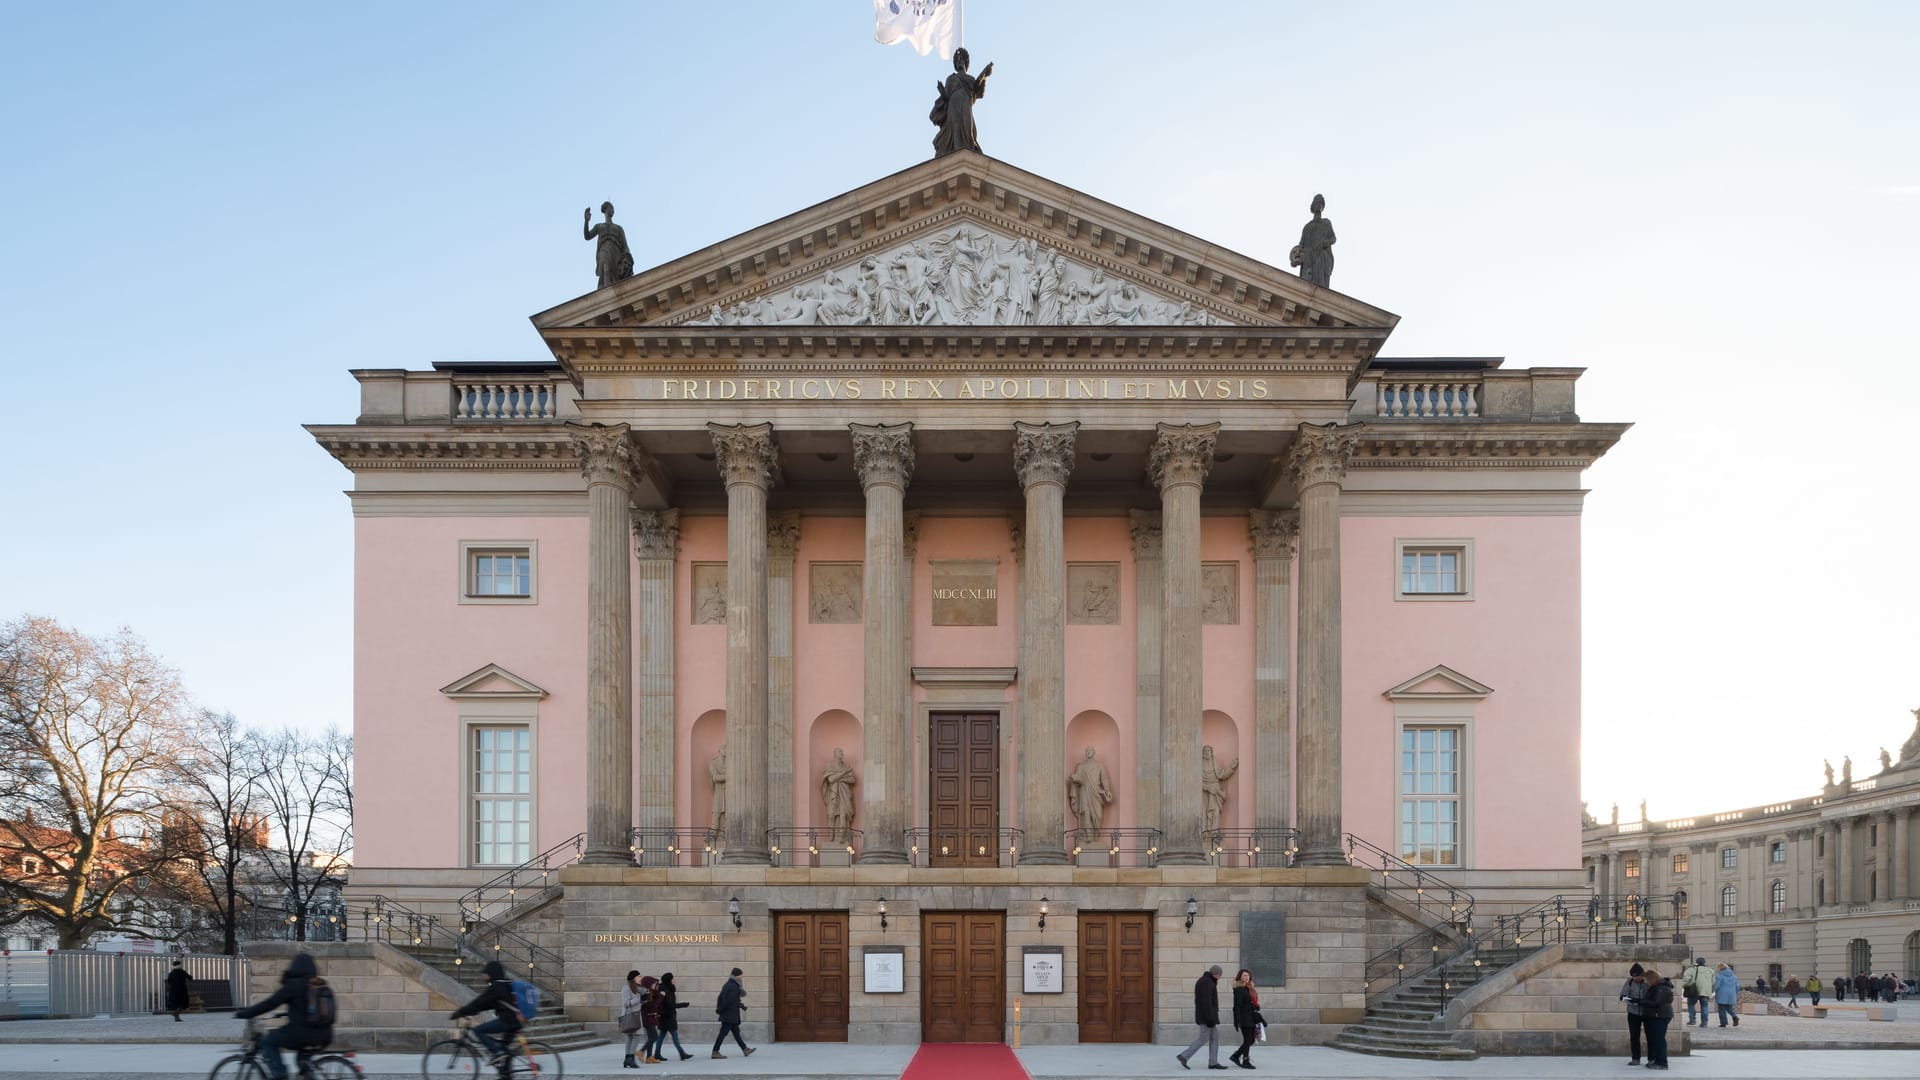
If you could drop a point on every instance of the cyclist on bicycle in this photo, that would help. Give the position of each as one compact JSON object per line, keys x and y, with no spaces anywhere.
{"x":307,"y":1024}
{"x":506,"y":1021}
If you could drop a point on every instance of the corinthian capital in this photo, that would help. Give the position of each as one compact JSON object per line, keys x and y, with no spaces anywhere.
{"x":656,"y":533}
{"x":1272,"y":532}
{"x":1043,"y":453}
{"x":607,"y":456}
{"x":883,"y":454}
{"x":1145,"y":526}
{"x":745,"y":453}
{"x":1321,"y":453}
{"x":783,"y":534}
{"x":1182,"y":454}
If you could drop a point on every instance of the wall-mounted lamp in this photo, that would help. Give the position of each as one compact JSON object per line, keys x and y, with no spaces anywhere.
{"x":1193,"y":908}
{"x":883,"y":912}
{"x":733,"y":909}
{"x":1043,"y":913}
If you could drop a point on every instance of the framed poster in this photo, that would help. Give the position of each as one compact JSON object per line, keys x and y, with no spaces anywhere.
{"x":886,"y":969}
{"x":1045,"y":966}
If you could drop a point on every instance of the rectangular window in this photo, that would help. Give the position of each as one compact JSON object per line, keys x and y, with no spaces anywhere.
{"x":498,"y":572}
{"x":1430,"y":795}
{"x":1729,"y":858}
{"x":1726,"y":941}
{"x":1873,"y":835}
{"x":1777,"y":851}
{"x":1679,"y":864}
{"x":1633,"y":866}
{"x":1433,"y":569}
{"x":502,"y":795}
{"x":1775,"y":939}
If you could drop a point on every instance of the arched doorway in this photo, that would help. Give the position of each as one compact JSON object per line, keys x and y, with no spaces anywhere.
{"x":1859,"y":956}
{"x":1913,"y":955}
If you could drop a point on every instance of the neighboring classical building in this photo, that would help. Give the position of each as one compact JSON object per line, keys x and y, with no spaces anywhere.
{"x":1823,"y":885}
{"x":931,"y":490}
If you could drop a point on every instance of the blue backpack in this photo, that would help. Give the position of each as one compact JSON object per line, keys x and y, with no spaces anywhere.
{"x":526,"y":998}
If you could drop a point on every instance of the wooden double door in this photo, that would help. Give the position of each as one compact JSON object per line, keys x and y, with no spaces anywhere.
{"x":1116,"y":976}
{"x":963,"y":976}
{"x":810,"y":976}
{"x":964,"y":810}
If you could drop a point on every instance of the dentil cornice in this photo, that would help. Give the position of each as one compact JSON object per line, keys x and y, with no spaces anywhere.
{"x":745,"y":453}
{"x":1043,"y":453}
{"x":1182,"y":454}
{"x":883,"y":454}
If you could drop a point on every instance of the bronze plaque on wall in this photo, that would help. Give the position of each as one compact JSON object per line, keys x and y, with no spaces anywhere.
{"x":966,"y":592}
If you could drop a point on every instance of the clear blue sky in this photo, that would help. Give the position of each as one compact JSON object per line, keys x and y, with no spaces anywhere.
{"x":213,"y":211}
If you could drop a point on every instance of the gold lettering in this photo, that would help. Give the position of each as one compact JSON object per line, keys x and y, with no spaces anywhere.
{"x":886,"y":388}
{"x":966,"y":389}
{"x":1009,"y":388}
{"x":1086,"y":388}
{"x":1176,"y":388}
{"x":810,"y":389}
{"x":1225,"y":388}
{"x":728,"y":390}
{"x":853,"y":389}
{"x":1260,"y":388}
{"x":934,"y":387}
{"x":773,"y":389}
{"x":750,"y":389}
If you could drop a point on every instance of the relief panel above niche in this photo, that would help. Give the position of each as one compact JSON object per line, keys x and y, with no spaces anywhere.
{"x":1093,"y":594}
{"x":962,"y":276}
{"x":834,"y":593}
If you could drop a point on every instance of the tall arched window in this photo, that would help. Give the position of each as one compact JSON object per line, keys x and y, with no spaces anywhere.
{"x":1777,"y":897}
{"x":1680,"y":903}
{"x":1729,"y":899}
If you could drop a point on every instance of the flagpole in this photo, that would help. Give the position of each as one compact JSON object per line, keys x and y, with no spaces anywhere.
{"x":960,"y":23}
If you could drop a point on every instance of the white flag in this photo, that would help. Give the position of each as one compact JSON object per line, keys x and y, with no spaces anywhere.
{"x":927,"y":25}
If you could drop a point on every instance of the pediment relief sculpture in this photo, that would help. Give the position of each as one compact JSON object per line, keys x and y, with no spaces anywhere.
{"x":963,"y":276}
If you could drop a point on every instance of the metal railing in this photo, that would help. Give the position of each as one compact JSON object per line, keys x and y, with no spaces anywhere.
{"x":1430,"y":951}
{"x":509,"y":886}
{"x":1630,"y":918}
{"x":675,"y":847}
{"x":1252,"y":847}
{"x":813,"y":847}
{"x":964,"y":847}
{"x":383,"y":919}
{"x":1436,"y":899}
{"x":1112,"y":847}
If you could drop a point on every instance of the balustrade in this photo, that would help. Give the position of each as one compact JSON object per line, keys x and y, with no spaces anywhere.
{"x":500,"y":400}
{"x":1429,"y":399}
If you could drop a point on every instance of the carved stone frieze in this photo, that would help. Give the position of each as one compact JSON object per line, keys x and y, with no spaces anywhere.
{"x":783,"y":534}
{"x":1093,"y":594}
{"x":1272,"y":532}
{"x":1182,"y":454}
{"x":1321,"y":453}
{"x":1220,"y":594}
{"x":1043,"y":453}
{"x":607,"y":455}
{"x":656,"y":533}
{"x":745,"y":453}
{"x":834,"y":593}
{"x":1145,"y":527}
{"x":710,"y":594}
{"x":883,"y":454}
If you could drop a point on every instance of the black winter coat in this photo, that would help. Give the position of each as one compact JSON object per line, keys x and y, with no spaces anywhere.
{"x":728,"y":1006}
{"x":1245,"y":1015}
{"x":670,"y":1005}
{"x":177,"y":996}
{"x":293,"y":995}
{"x":1206,"y":1001}
{"x":498,"y":996}
{"x":1658,"y":1003}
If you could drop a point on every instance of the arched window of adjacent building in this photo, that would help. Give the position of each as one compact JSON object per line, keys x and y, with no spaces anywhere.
{"x":1729,"y":900}
{"x":1777,"y":897}
{"x":1913,"y":954}
{"x":1859,"y":955}
{"x":1680,"y":903}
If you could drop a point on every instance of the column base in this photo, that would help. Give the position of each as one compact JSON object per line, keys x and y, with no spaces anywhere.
{"x":1334,"y":856}
{"x":1182,"y":858}
{"x":1043,"y":857}
{"x":735,"y":856}
{"x":881,"y":857}
{"x":606,"y":857}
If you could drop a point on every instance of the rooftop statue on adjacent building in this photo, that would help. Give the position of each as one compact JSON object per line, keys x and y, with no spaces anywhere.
{"x":1846,"y":771}
{"x":612,"y":261}
{"x":953,"y":107}
{"x":1314,"y":254}
{"x":1910,"y":750}
{"x":1827,"y":765}
{"x":1886,"y":760}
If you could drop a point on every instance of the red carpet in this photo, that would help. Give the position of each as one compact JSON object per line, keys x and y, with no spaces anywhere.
{"x":964,"y":1061}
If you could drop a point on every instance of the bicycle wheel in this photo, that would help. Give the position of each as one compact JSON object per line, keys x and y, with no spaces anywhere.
{"x":336,"y":1067}
{"x":541,"y":1060}
{"x":450,"y":1059}
{"x":238,"y":1067}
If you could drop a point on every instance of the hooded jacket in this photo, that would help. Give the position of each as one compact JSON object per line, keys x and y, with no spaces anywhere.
{"x":670,"y":1003}
{"x":1726,"y":987}
{"x":294,"y":986}
{"x":1658,"y":1003}
{"x":498,"y":996}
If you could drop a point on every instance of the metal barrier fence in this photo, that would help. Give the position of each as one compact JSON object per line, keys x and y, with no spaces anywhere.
{"x":62,"y":984}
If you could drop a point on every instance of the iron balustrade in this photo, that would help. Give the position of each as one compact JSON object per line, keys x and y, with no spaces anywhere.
{"x":675,"y":847}
{"x":1252,"y":847}
{"x":536,"y":873}
{"x":1630,"y":918}
{"x":953,"y":847}
{"x":1112,"y":847}
{"x":1545,"y":923}
{"x":813,"y":847}
{"x":1436,"y":949}
{"x":1436,"y":900}
{"x":385,"y":920}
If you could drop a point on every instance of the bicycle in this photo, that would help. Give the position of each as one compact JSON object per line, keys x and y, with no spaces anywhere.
{"x":464,"y":1057}
{"x":310,"y":1062}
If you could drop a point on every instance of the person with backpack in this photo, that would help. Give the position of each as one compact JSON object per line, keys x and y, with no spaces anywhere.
{"x":310,"y":1013}
{"x":1634,"y":993}
{"x":507,"y":1017}
{"x":669,"y":1004}
{"x":1696,"y":985}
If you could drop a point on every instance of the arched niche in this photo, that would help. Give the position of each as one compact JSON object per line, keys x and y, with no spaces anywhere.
{"x":1098,"y":730}
{"x":708,"y":735}
{"x":833,"y":728}
{"x":1219,"y":731}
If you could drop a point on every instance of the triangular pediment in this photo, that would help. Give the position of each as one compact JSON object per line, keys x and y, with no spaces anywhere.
{"x":1439,"y":682}
{"x":964,"y":240}
{"x":494,"y":682}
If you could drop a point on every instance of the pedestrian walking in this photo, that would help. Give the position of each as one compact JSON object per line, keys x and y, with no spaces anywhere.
{"x":728,"y":1008}
{"x":669,"y":1003}
{"x":1696,"y":984}
{"x":635,"y":993}
{"x":1246,"y":1017}
{"x":1813,"y":988}
{"x":177,"y":997}
{"x":1860,"y":987}
{"x":1726,"y":994}
{"x":1206,"y":1014}
{"x":1656,"y":1011}
{"x":1634,"y":993}
{"x":1840,"y":987}
{"x":1793,"y":991}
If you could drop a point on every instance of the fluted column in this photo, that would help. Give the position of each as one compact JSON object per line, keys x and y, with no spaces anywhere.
{"x":656,"y":535}
{"x":1843,"y":862}
{"x":1147,"y":585}
{"x":1891,"y":857}
{"x":747,"y":460}
{"x":1830,"y":862}
{"x":1178,"y":464}
{"x":883,"y":457}
{"x":607,"y":459}
{"x":1900,"y":869}
{"x":1319,"y":465}
{"x":1043,"y":459}
{"x":783,"y":540}
{"x":1272,"y":533}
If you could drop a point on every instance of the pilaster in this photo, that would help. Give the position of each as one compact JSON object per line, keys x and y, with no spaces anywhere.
{"x":1272,"y":534}
{"x":783,"y":541}
{"x":1148,"y":589}
{"x":656,"y":535}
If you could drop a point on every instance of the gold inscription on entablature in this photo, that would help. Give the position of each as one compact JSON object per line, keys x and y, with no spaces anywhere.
{"x":911,"y":388}
{"x":966,"y":592}
{"x":656,"y":938}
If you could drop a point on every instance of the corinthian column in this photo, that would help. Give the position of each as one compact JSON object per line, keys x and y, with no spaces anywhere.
{"x":1272,"y":533}
{"x":783,"y":540}
{"x":883,"y":456}
{"x":1145,"y":525}
{"x":607,"y":460}
{"x":1178,"y":465}
{"x":1901,"y":871}
{"x":656,"y":535}
{"x":746,"y":457}
{"x":1319,"y":465}
{"x":1043,"y":459}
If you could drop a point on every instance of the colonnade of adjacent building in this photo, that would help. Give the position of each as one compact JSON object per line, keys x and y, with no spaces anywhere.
{"x":1840,"y":854}
{"x":759,"y":683}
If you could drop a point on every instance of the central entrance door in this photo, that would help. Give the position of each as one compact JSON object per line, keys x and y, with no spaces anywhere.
{"x":963,"y":976}
{"x":1116,"y":976}
{"x":964,"y":811}
{"x":810,"y":976}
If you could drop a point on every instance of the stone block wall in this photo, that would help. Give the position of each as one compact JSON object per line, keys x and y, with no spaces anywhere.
{"x":1564,"y":999}
{"x":387,"y":999}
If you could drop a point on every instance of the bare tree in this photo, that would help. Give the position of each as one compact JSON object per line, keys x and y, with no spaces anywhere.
{"x":304,"y":790}
{"x":215,"y":828}
{"x":89,"y":729}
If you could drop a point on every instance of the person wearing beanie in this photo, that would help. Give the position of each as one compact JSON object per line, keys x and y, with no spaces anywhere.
{"x":1634,"y":992}
{"x":667,"y":1001}
{"x":728,"y":1009}
{"x":1656,"y":1012}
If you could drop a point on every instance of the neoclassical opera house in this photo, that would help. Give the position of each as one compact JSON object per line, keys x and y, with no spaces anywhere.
{"x":957,"y":593}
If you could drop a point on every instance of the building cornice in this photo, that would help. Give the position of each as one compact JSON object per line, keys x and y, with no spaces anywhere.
{"x":361,"y":447}
{"x":1469,"y":444}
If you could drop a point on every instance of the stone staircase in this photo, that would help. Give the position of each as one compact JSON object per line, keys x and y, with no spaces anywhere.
{"x":1408,"y":1021}
{"x":551,"y":1026}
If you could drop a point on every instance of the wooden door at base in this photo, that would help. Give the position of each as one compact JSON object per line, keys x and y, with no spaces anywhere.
{"x":963,"y":976}
{"x":964,"y":810}
{"x":810,"y":976}
{"x":1116,"y":976}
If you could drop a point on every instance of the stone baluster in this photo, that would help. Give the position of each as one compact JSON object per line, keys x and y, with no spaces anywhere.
{"x":748,"y":462}
{"x":608,"y":459}
{"x":1043,"y":459}
{"x":1147,"y":586}
{"x":883,"y":458}
{"x":656,"y":544}
{"x":783,"y":541}
{"x":1319,"y":466}
{"x":1272,"y":533}
{"x":1178,"y":464}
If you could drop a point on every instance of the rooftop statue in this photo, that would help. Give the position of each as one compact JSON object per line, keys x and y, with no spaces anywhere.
{"x":953,"y":107}
{"x":612,"y":261}
{"x":1314,"y":254}
{"x":1910,"y":750}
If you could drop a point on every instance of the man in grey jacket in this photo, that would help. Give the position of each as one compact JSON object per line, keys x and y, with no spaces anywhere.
{"x":1206,"y":1013}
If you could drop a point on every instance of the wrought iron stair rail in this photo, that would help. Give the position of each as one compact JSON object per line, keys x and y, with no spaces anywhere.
{"x":1545,"y":923}
{"x":1632,"y":918}
{"x":508,"y":886}
{"x":1436,"y":899}
{"x":1430,"y":951}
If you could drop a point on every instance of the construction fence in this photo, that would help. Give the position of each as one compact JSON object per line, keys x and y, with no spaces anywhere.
{"x":74,"y":983}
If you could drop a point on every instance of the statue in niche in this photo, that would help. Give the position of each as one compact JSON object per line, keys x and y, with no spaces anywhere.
{"x":611,"y":259}
{"x":1314,"y":253}
{"x":1846,"y":771}
{"x":836,"y":790}
{"x":1213,"y":785}
{"x":1827,"y":766}
{"x":1886,"y":760}
{"x":712,"y":606}
{"x":953,"y":107}
{"x":717,"y":776}
{"x":1088,"y":792}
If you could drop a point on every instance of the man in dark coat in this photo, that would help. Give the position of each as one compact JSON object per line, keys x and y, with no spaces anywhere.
{"x":301,"y":1030}
{"x":1206,"y":1013}
{"x":177,"y":997}
{"x":506,"y":1021}
{"x":728,"y":1008}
